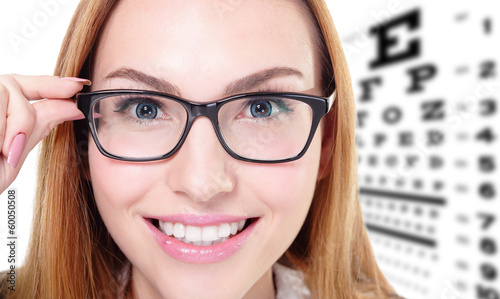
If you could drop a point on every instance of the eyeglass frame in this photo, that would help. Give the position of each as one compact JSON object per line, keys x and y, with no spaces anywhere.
{"x":320,"y":106}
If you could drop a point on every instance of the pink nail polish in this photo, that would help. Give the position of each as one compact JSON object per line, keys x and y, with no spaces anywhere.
{"x":78,"y":117}
{"x":78,"y":80}
{"x":16,"y":149}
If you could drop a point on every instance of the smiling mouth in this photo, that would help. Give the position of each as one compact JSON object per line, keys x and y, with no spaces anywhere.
{"x":202,"y":235}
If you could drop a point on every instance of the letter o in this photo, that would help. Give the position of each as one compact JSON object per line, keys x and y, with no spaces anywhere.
{"x":392,"y":115}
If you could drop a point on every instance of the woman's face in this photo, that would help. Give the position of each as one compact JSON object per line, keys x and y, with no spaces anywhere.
{"x":198,"y":49}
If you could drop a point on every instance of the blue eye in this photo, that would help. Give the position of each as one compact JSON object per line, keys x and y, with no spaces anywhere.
{"x":261,"y":109}
{"x":146,"y":111}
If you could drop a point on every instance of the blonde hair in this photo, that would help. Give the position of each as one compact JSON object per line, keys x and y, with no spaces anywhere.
{"x":71,"y":254}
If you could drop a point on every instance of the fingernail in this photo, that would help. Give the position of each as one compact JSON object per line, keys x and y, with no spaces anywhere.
{"x":79,"y":80}
{"x":78,"y":117}
{"x":16,"y":149}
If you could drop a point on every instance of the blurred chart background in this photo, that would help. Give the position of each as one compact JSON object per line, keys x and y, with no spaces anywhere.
{"x":426,"y":79}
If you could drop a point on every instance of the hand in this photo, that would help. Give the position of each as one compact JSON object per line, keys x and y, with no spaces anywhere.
{"x":24,"y":124}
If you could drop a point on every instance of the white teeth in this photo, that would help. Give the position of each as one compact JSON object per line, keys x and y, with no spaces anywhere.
{"x":201,"y":236}
{"x":193,"y":233}
{"x":224,"y":230}
{"x":234,"y":228}
{"x":168,"y":228}
{"x":185,"y":241}
{"x":179,"y":230}
{"x":241,"y":224}
{"x":209,"y":233}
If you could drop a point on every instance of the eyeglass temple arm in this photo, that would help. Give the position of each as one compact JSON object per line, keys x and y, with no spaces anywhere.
{"x":331,"y":99}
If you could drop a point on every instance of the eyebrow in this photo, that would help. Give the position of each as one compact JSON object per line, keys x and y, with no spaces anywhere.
{"x":244,"y":84}
{"x":138,"y":76}
{"x":258,"y":78}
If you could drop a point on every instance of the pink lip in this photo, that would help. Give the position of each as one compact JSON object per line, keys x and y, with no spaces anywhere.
{"x":190,"y":253}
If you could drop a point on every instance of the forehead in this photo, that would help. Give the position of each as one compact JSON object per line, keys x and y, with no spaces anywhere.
{"x":197,"y":40}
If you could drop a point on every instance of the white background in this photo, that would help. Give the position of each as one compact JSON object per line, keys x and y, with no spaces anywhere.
{"x":31,"y":33}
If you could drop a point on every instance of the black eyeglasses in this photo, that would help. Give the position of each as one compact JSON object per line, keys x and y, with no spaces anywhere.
{"x":139,"y":125}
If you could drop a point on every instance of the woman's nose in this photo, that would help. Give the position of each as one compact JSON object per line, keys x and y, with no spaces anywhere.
{"x":201,"y":167}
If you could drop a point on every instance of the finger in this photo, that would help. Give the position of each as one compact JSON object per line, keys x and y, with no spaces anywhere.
{"x":50,"y":113}
{"x":17,"y":148}
{"x":4,"y":97}
{"x":45,"y":115}
{"x":20,"y":118}
{"x":45,"y":87}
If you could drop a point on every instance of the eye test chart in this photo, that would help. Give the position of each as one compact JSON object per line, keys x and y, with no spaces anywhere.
{"x":427,"y":86}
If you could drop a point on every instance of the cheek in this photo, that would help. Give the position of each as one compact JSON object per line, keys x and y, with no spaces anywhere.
{"x":116,"y":184}
{"x":294,"y":183}
{"x":287,"y":191}
{"x":118,"y":189}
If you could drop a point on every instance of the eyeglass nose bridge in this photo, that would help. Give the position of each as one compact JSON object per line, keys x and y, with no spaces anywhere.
{"x":209,"y":110}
